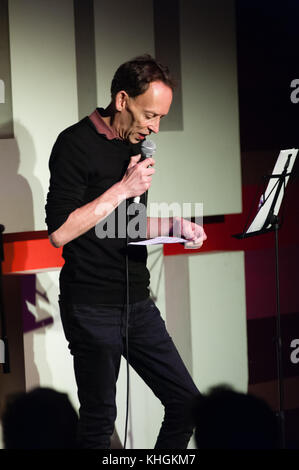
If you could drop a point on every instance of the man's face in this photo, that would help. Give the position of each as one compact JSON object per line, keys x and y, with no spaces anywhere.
{"x":141,"y":115}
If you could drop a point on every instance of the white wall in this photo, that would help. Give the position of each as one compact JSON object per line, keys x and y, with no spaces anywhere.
{"x":218,"y":320}
{"x":214,"y":316}
{"x":202,"y":162}
{"x":122,"y":31}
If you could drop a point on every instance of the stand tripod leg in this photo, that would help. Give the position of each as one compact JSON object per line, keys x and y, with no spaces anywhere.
{"x":278,"y":344}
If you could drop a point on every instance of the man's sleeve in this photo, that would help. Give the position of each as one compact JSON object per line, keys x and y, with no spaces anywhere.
{"x":68,"y":181}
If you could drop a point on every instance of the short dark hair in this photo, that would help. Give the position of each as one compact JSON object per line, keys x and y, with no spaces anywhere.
{"x":135,"y":76}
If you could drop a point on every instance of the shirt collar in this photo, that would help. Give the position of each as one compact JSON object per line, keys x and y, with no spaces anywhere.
{"x":101,"y":125}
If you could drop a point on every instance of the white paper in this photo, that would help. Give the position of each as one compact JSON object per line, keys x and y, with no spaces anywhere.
{"x":159,"y":241}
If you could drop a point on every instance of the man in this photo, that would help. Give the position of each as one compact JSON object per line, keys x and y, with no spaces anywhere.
{"x":96,"y":168}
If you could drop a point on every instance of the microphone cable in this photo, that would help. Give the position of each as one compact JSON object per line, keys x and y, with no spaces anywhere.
{"x":148,"y":148}
{"x":127,"y":333}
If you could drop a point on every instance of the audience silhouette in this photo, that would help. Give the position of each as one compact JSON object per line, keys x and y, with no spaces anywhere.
{"x":226,"y":419}
{"x":223,"y":418}
{"x":40,"y":419}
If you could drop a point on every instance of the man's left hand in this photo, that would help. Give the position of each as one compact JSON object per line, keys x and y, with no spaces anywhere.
{"x":189,"y":230}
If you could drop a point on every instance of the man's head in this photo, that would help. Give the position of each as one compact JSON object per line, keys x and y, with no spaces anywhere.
{"x":141,"y":92}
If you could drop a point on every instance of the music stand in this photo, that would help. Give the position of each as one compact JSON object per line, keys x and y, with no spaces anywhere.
{"x":267,"y":220}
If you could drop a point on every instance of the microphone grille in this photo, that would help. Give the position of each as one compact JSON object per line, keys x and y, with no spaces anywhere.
{"x":148,"y":148}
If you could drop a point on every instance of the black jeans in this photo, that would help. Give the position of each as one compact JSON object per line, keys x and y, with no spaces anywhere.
{"x":96,"y":335}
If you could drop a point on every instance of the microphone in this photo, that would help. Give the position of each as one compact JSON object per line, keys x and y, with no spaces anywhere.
{"x":148,"y":148}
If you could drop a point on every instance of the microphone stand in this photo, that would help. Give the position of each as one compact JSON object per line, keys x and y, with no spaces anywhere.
{"x":278,"y":340}
{"x":275,"y":225}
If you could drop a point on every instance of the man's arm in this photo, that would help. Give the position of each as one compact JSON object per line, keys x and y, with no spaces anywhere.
{"x":135,"y":182}
{"x":159,"y":227}
{"x":84,"y":218}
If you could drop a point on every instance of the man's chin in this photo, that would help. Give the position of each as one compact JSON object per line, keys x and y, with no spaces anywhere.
{"x":133,"y":140}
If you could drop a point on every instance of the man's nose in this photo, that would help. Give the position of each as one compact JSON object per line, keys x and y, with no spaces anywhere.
{"x":154,"y":126}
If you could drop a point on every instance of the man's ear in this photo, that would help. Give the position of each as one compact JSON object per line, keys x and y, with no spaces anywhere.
{"x":121,"y":100}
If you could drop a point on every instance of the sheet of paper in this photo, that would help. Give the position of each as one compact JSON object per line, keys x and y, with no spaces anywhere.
{"x":159,"y":241}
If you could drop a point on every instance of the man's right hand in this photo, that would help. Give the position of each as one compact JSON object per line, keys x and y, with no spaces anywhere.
{"x":138,"y":176}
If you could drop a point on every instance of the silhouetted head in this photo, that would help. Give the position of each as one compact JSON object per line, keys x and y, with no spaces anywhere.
{"x":225,"y":419}
{"x":39,"y":419}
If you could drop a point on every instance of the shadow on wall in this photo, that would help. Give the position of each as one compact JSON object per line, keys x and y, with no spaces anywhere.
{"x":16,"y":201}
{"x":36,"y":322}
{"x":18,"y":183}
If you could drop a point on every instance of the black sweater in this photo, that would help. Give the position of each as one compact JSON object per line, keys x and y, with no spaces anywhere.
{"x":83,"y":165}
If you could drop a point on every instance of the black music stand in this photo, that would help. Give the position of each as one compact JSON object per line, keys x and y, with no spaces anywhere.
{"x":267,"y":220}
{"x":5,"y":365}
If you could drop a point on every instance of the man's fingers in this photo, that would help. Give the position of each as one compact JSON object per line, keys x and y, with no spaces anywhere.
{"x":149,"y":171}
{"x":198,"y":240}
{"x":196,"y":234}
{"x":147,"y":161}
{"x":134,"y":160}
{"x":199,"y":232}
{"x":193,"y":244}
